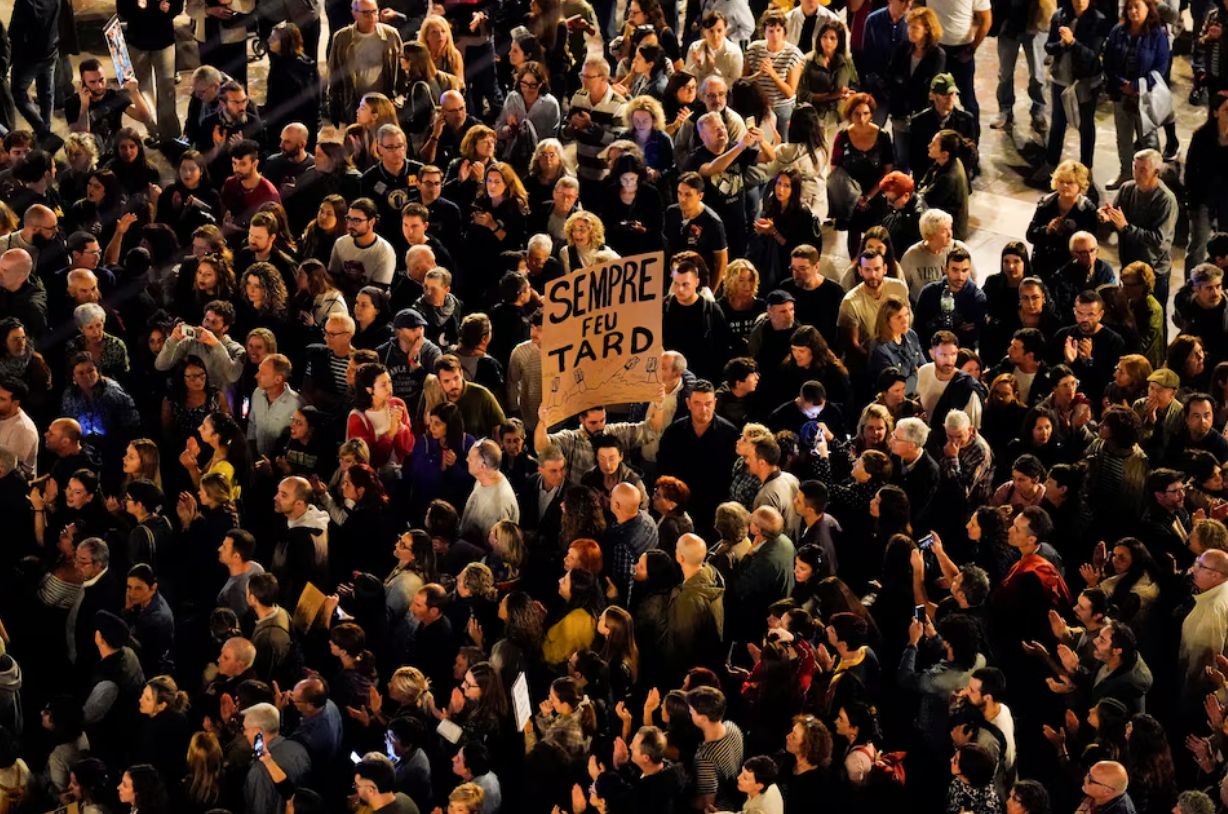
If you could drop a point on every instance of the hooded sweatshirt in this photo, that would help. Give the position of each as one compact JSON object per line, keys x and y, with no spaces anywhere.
{"x":301,"y":555}
{"x":697,"y":620}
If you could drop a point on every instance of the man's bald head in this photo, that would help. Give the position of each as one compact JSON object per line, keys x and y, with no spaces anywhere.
{"x":15,"y":268}
{"x":418,"y":261}
{"x":1106,"y":780}
{"x":39,"y":215}
{"x":453,"y":96}
{"x":296,"y":132}
{"x":691,"y":550}
{"x":625,"y":501}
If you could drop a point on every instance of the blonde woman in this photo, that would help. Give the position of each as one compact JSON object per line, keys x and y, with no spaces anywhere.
{"x":202,"y":787}
{"x":82,"y":153}
{"x":739,"y":299}
{"x":436,"y":35}
{"x":508,"y":552}
{"x":467,"y":798}
{"x":645,"y":120}
{"x":1138,"y":283}
{"x":585,"y":242}
{"x":1060,"y":214}
{"x":374,"y":111}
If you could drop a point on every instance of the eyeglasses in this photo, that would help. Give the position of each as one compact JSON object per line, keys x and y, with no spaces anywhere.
{"x":366,"y":12}
{"x":1084,"y":252}
{"x":1174,"y":490}
{"x":392,"y":148}
{"x":337,"y":333}
{"x":1089,"y":779}
{"x":1198,"y":564}
{"x":352,"y":219}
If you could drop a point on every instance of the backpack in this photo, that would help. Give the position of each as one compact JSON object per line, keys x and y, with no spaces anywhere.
{"x":887,"y":769}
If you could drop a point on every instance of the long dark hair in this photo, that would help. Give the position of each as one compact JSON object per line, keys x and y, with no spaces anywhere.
{"x":1151,"y":759}
{"x":894,"y":512}
{"x":771,"y":204}
{"x":233,"y":439}
{"x":585,"y":593}
{"x":810,"y":337}
{"x":525,"y":625}
{"x":582,"y":516}
{"x":450,"y":415}
{"x":805,"y":128}
{"x":149,"y":792}
{"x":1142,"y":564}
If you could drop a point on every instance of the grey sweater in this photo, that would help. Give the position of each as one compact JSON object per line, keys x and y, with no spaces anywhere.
{"x":1151,"y":219}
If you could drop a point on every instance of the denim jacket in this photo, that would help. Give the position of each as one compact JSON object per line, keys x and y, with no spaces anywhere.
{"x":1153,"y":55}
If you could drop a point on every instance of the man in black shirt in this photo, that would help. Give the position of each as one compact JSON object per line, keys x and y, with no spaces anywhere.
{"x":444,"y":220}
{"x":262,"y":248}
{"x":284,"y":168}
{"x":1090,"y":348}
{"x":942,"y":114}
{"x":392,"y":183}
{"x":699,"y":449}
{"x":1202,"y":311}
{"x":816,"y":298}
{"x":693,"y":325}
{"x":691,"y":225}
{"x":452,"y":122}
{"x":722,"y":167}
{"x":221,"y":132}
{"x":100,"y":110}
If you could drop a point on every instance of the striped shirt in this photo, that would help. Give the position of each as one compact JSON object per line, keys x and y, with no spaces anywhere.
{"x":577,"y":445}
{"x":783,"y":61}
{"x":607,"y":116}
{"x":717,"y":765}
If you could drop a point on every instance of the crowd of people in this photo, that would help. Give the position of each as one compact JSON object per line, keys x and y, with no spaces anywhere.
{"x":286,"y":528}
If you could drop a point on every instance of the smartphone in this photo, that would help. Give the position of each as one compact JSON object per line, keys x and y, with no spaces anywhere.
{"x":750,"y":122}
{"x":925,"y":542}
{"x":918,"y":613}
{"x":355,"y":758}
{"x":258,"y":744}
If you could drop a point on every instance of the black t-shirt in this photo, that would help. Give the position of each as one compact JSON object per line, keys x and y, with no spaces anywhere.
{"x":280,"y":170}
{"x":704,"y":233}
{"x":106,"y":116}
{"x":819,"y":307}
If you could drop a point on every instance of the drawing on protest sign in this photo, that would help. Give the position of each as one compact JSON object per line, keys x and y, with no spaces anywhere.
{"x":601,"y":335}
{"x":119,"y":51}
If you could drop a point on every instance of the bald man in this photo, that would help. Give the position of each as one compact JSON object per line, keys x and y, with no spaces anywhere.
{"x":301,"y":553}
{"x":696,"y":610}
{"x":452,"y":122}
{"x":1204,"y":633}
{"x":22,"y":295}
{"x":632,"y":534}
{"x":765,"y":575}
{"x":1105,"y":786}
{"x":284,"y":168}
{"x":319,"y":728}
{"x":39,"y":235}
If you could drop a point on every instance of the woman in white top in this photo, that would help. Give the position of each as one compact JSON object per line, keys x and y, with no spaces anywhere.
{"x":530,"y":101}
{"x":714,"y":53}
{"x":857,"y":725}
{"x":585,"y":243}
{"x":775,"y":65}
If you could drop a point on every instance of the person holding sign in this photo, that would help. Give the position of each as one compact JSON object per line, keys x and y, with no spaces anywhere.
{"x":99,"y":110}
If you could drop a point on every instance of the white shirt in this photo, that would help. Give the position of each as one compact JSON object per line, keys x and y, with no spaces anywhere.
{"x":266,"y":420}
{"x":19,"y":434}
{"x":930,"y":389}
{"x":1204,"y":633}
{"x":957,"y":19}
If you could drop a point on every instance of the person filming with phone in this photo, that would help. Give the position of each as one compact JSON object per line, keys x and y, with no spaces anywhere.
{"x":224,"y":357}
{"x":262,"y":729}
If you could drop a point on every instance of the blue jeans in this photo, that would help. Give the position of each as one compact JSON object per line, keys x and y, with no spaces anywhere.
{"x":784,"y":113}
{"x":1033,"y":46}
{"x":1057,"y":129}
{"x":42,"y":75}
{"x":965,"y":79}
{"x":900,"y":142}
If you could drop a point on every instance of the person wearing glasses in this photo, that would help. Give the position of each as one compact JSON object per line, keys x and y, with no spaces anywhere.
{"x":391,"y":184}
{"x":1085,"y":271}
{"x":1168,"y":524}
{"x":1105,"y":786}
{"x":1203,"y":634}
{"x":360,"y":63}
{"x":362,"y":257}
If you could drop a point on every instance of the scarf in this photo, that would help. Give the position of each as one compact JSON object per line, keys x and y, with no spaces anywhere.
{"x":15,"y":366}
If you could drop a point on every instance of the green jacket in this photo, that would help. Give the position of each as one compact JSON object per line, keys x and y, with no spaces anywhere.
{"x":697,"y":621}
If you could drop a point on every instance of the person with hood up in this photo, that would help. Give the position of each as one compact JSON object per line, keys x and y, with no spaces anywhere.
{"x":301,"y":553}
{"x":696,"y":612}
{"x":271,"y":636}
{"x":440,"y":308}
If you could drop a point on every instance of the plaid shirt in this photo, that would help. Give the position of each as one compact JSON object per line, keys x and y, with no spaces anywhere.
{"x":973,"y":468}
{"x":745,"y":486}
{"x":577,"y":445}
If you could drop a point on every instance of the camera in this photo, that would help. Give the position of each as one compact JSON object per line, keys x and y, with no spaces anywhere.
{"x":189,"y":332}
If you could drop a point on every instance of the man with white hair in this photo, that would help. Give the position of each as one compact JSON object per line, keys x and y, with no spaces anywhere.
{"x":324,"y":382}
{"x":22,"y":295}
{"x":262,"y":729}
{"x":492,"y":498}
{"x":1202,"y":311}
{"x":595,"y":119}
{"x":914,"y":470}
{"x":967,"y":462}
{"x":714,"y":93}
{"x":1085,"y":270}
{"x":407,"y":286}
{"x":926,"y":262}
{"x":1144,"y":214}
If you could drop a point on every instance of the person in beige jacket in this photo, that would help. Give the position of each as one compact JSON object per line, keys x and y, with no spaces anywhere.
{"x":365,"y":58}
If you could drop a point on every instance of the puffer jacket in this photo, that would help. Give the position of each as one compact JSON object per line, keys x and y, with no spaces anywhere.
{"x":697,"y":621}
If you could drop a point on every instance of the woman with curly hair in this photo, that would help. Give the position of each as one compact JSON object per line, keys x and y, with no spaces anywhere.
{"x":1117,"y":474}
{"x":585,"y":242}
{"x":632,"y":205}
{"x":520,"y":648}
{"x":142,"y":789}
{"x":583,"y":518}
{"x":214,"y":280}
{"x":547,"y":166}
{"x":499,"y":215}
{"x":645,"y":126}
{"x":264,"y":302}
{"x":669,"y":500}
{"x":1187,"y":357}
{"x":81,"y":153}
{"x":1153,"y":782}
{"x":1129,"y":381}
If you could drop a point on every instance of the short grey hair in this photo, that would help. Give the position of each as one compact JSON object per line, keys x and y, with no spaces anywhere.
{"x":343,"y":319}
{"x":489,"y":454}
{"x":1151,"y":156}
{"x":1081,"y":236}
{"x":89,"y":313}
{"x":1206,"y":273}
{"x":97,"y":549}
{"x":712,"y":80}
{"x":769,"y":521}
{"x":207,"y":75}
{"x":975,"y":584}
{"x":418,"y":256}
{"x":957,"y":421}
{"x":913,"y":430}
{"x":566,"y":182}
{"x":550,"y":454}
{"x":440,"y":275}
{"x":245,"y":651}
{"x":264,"y":717}
{"x":78,"y":276}
{"x":389,"y":129}
{"x":599,"y":63}
{"x":932,"y":220}
{"x":542,"y":242}
{"x":709,"y":117}
{"x":677,"y":360}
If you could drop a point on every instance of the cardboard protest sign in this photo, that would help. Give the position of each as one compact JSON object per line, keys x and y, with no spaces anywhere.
{"x":601,"y":335}
{"x":119,"y":51}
